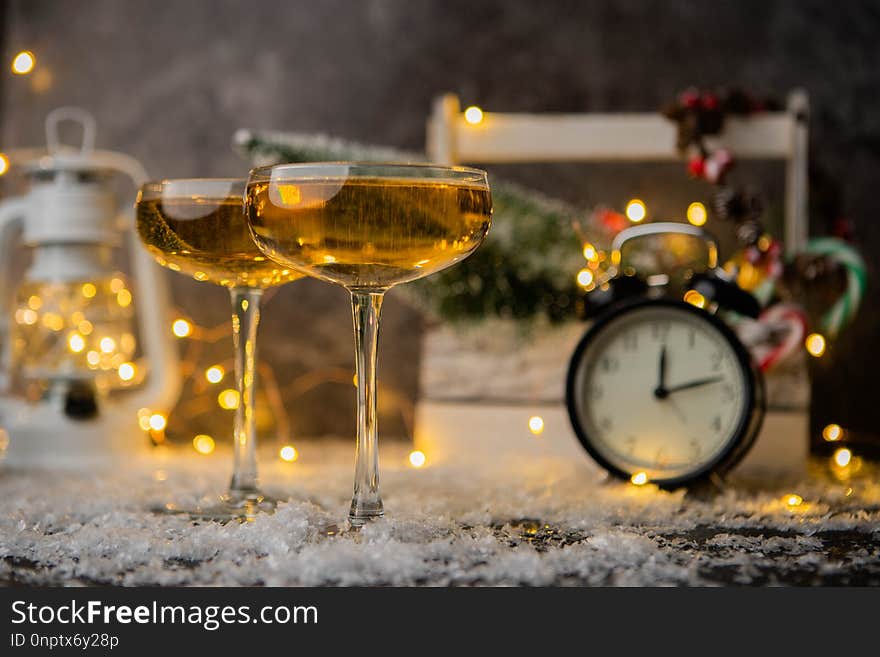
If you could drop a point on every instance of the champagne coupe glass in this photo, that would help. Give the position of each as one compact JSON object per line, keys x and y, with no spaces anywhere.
{"x":367,"y":227}
{"x":197,"y":227}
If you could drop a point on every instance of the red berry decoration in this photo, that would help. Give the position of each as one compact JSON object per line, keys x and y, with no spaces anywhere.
{"x":696,"y":167}
{"x":709,"y":101}
{"x":689,"y":98}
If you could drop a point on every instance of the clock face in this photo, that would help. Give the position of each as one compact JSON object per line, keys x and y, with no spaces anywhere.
{"x":661,"y":388}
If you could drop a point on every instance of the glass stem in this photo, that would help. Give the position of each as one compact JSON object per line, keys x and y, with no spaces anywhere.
{"x":245,"y":318}
{"x":366,"y":503}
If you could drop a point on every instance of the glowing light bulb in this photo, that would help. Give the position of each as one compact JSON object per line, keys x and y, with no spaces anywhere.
{"x":181,"y":328}
{"x":639,"y":478}
{"x":126,"y":371}
{"x":4,"y":163}
{"x":584,"y":277}
{"x":89,"y":290}
{"x":695,"y":298}
{"x":696,"y":213}
{"x":203,"y":443}
{"x":288,"y":453}
{"x":473,"y":115}
{"x":214,"y":374}
{"x":842,"y":457}
{"x":76,"y":343}
{"x":228,"y":399}
{"x":636,"y":210}
{"x":815,"y":344}
{"x":536,"y":424}
{"x":158,"y":422}
{"x":793,"y":499}
{"x":417,"y":458}
{"x":832,"y":433}
{"x":23,"y":62}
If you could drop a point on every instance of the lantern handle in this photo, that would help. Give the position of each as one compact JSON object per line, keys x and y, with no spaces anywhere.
{"x":76,"y":115}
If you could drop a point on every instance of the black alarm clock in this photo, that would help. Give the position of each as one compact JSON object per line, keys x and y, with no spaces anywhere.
{"x":661,"y":389}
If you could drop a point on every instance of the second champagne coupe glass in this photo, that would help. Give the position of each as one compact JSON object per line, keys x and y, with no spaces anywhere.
{"x":367,"y":227}
{"x":197,"y":227}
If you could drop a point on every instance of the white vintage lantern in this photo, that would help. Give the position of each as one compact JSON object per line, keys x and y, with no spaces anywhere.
{"x":83,"y":345}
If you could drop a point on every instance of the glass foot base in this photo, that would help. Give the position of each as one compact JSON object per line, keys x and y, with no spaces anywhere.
{"x":362,"y":512}
{"x":228,"y":508}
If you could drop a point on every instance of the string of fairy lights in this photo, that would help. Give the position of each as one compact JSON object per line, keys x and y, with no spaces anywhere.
{"x":214,"y":375}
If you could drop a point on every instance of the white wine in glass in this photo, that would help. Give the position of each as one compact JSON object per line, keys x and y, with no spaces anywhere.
{"x":197,"y":227}
{"x":367,"y":227}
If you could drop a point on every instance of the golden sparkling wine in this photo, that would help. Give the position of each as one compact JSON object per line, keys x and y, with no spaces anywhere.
{"x":369,"y":233}
{"x":207,"y":239}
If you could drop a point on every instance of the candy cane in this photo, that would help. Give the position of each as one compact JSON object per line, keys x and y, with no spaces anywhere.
{"x":782,"y":314}
{"x":845,"y":308}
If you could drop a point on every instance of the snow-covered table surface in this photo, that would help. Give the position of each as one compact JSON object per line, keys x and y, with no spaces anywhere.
{"x":534,"y":523}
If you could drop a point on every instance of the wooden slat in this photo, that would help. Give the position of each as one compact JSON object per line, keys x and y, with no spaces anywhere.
{"x":504,"y":137}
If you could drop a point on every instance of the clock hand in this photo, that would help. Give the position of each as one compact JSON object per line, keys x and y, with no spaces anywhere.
{"x":694,"y":384}
{"x":660,"y":391}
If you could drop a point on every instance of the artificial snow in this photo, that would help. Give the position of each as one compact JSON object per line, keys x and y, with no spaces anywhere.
{"x":531,"y":523}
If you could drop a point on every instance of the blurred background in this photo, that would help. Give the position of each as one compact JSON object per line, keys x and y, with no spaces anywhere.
{"x":171,"y":82}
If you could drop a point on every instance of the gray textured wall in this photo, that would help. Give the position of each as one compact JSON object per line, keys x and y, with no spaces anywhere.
{"x":171,"y":81}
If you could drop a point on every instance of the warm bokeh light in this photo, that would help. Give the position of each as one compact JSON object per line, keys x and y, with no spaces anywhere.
{"x":473,"y":115}
{"x":126,"y":371}
{"x":158,"y":422}
{"x":23,"y":62}
{"x":842,"y":457}
{"x":108,"y":345}
{"x":89,"y":290}
{"x":695,"y":298}
{"x":228,"y":399}
{"x":590,"y":253}
{"x":288,"y":453}
{"x":832,"y":433}
{"x":696,"y":213}
{"x":815,"y":344}
{"x":585,"y":277}
{"x":123,"y":298}
{"x":4,"y":163}
{"x":181,"y":328}
{"x":417,"y":458}
{"x":536,"y":424}
{"x":144,"y":418}
{"x":93,"y":358}
{"x":636,"y":210}
{"x":76,"y":343}
{"x":793,"y":499}
{"x":214,"y":374}
{"x":203,"y":443}
{"x":639,"y":478}
{"x":53,"y":321}
{"x":28,"y":317}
